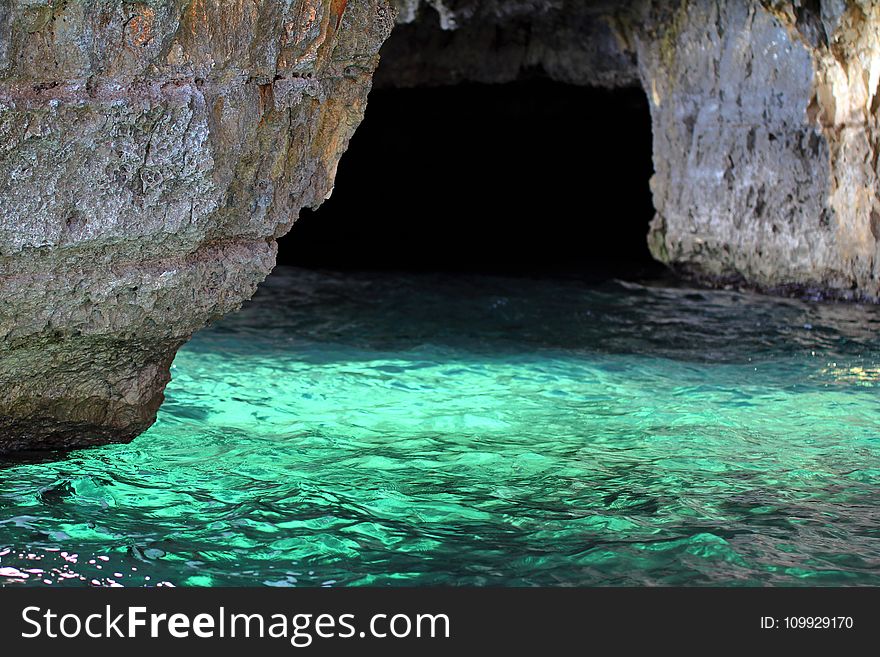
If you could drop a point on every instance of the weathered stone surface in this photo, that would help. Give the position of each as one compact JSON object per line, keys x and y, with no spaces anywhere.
{"x":150,"y":152}
{"x":739,"y":169}
{"x":764,"y":115}
{"x":764,"y":119}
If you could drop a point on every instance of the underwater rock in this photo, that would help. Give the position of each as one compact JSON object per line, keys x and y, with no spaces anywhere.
{"x":150,"y":154}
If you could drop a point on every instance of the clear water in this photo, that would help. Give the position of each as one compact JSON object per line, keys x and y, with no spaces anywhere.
{"x":419,"y":429}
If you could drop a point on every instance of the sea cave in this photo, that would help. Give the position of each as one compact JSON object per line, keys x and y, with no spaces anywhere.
{"x":433,"y":292}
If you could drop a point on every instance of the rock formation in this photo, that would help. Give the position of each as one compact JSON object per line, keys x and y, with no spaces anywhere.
{"x":493,"y":41}
{"x":764,"y":116}
{"x":765,"y":144}
{"x":151,"y":151}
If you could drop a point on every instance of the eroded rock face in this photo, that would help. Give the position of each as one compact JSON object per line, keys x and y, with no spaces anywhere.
{"x":150,"y":152}
{"x":764,"y":115}
{"x":765,"y":143}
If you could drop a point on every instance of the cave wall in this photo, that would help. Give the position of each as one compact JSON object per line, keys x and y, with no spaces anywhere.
{"x":740,"y":173}
{"x":765,"y":147}
{"x":764,"y":118}
{"x":581,"y":42}
{"x":152,"y":151}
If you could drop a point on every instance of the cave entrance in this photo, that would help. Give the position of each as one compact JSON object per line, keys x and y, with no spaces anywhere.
{"x":527,"y":177}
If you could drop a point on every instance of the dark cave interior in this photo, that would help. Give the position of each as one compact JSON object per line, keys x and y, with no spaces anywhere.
{"x":532,"y":177}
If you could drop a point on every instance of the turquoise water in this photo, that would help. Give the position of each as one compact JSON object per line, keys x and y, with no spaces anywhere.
{"x":424,"y":429}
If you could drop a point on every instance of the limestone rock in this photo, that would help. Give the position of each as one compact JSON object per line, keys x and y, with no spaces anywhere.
{"x":765,"y":143}
{"x":150,"y":153}
{"x":765,"y":118}
{"x":152,"y":150}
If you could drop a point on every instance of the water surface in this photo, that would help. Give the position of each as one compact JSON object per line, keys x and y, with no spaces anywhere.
{"x":402,"y":429}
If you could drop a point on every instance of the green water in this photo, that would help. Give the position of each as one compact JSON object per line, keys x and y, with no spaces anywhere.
{"x":418,"y":429}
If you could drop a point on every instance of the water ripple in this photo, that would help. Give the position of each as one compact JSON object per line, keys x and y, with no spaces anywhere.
{"x":424,"y":429}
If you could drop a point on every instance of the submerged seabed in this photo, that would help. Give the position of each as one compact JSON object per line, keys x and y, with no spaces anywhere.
{"x":424,"y":429}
